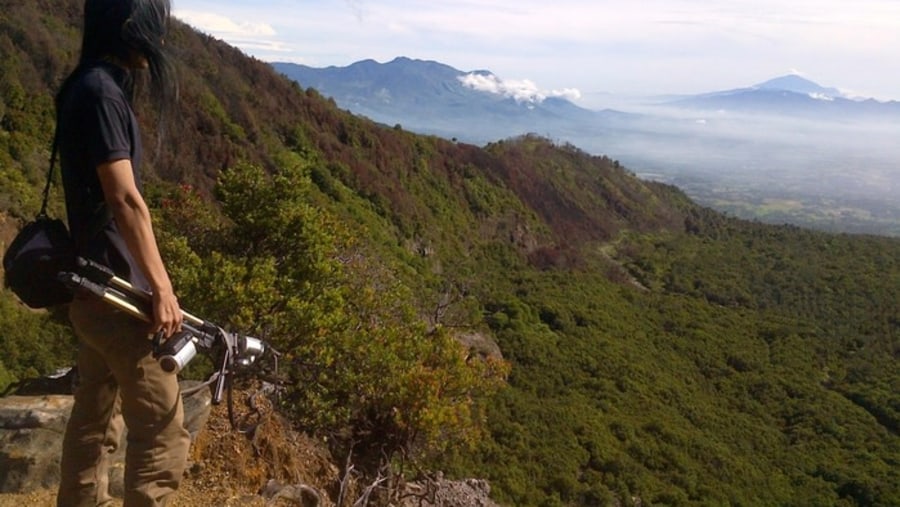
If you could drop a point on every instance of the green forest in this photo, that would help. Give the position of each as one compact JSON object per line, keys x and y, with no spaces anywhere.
{"x":522,"y":312}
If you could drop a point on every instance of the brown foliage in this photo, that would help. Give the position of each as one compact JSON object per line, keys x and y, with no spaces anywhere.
{"x":233,"y":463}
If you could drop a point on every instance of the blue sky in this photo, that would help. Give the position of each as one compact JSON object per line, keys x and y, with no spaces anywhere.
{"x":584,"y":49}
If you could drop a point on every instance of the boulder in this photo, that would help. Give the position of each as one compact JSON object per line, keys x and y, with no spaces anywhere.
{"x":439,"y":492}
{"x":31,"y":432}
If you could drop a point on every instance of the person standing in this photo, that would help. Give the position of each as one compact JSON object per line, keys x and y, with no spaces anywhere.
{"x":100,"y":154}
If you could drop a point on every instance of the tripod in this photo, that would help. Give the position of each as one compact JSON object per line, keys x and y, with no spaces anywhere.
{"x":233,"y":353}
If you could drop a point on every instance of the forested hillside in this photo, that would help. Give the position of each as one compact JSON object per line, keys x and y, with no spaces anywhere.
{"x":652,"y":352}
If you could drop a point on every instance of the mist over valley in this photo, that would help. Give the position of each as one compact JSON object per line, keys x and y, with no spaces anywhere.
{"x":787,"y":150}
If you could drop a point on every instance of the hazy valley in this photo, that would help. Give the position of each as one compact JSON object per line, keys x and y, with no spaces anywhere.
{"x":783,"y":151}
{"x":824,"y":173}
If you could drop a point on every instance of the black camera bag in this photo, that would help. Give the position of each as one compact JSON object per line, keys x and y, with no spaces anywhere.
{"x":38,"y":253}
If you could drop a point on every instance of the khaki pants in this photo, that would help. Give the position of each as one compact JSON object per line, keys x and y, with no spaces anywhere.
{"x":118,"y":373}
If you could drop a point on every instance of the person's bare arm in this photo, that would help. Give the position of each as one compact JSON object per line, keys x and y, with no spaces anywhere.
{"x":133,"y":218}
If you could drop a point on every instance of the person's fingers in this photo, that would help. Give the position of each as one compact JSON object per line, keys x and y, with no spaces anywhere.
{"x":168,"y":320}
{"x":168,"y":315}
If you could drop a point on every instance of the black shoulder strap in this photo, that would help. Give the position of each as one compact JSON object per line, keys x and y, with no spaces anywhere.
{"x":53,"y":151}
{"x":101,"y":216}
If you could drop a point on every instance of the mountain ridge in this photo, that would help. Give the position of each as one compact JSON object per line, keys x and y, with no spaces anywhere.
{"x":431,"y":70}
{"x":430,"y":97}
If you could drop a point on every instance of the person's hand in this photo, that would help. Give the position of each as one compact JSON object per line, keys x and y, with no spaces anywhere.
{"x":167,"y":314}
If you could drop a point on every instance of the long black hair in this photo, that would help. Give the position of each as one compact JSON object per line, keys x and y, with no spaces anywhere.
{"x":117,"y":29}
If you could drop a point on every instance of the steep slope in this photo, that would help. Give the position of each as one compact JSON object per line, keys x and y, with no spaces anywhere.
{"x":658,"y":351}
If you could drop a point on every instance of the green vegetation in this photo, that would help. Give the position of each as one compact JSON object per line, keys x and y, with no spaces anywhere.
{"x":734,"y":379}
{"x":652,"y":349}
{"x":362,"y":367}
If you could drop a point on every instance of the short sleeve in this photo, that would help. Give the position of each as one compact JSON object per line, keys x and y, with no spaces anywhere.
{"x":109,"y":121}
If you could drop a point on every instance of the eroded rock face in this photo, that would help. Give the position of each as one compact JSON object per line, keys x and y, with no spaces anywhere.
{"x":439,"y":492}
{"x":31,"y":432}
{"x":480,"y":345}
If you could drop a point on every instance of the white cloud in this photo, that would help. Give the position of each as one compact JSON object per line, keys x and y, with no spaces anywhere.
{"x":216,"y":24}
{"x":523,"y":90}
{"x":253,"y":37}
{"x":261,"y":46}
{"x":822,"y":97}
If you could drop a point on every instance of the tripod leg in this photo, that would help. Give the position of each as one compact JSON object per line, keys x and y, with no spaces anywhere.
{"x":102,"y":275}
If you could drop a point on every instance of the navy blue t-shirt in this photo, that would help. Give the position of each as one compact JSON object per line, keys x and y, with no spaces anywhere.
{"x":97,"y":125}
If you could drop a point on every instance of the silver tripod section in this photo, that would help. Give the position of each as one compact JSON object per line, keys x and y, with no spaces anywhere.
{"x":231,"y":351}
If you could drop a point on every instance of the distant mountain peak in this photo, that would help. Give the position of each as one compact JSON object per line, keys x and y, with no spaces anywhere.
{"x":791,"y":95}
{"x":799,"y":84}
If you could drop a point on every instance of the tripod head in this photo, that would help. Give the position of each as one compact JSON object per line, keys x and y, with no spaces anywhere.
{"x":176,"y":352}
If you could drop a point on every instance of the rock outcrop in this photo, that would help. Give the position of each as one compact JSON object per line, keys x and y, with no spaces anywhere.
{"x":439,"y":492}
{"x":31,"y":431}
